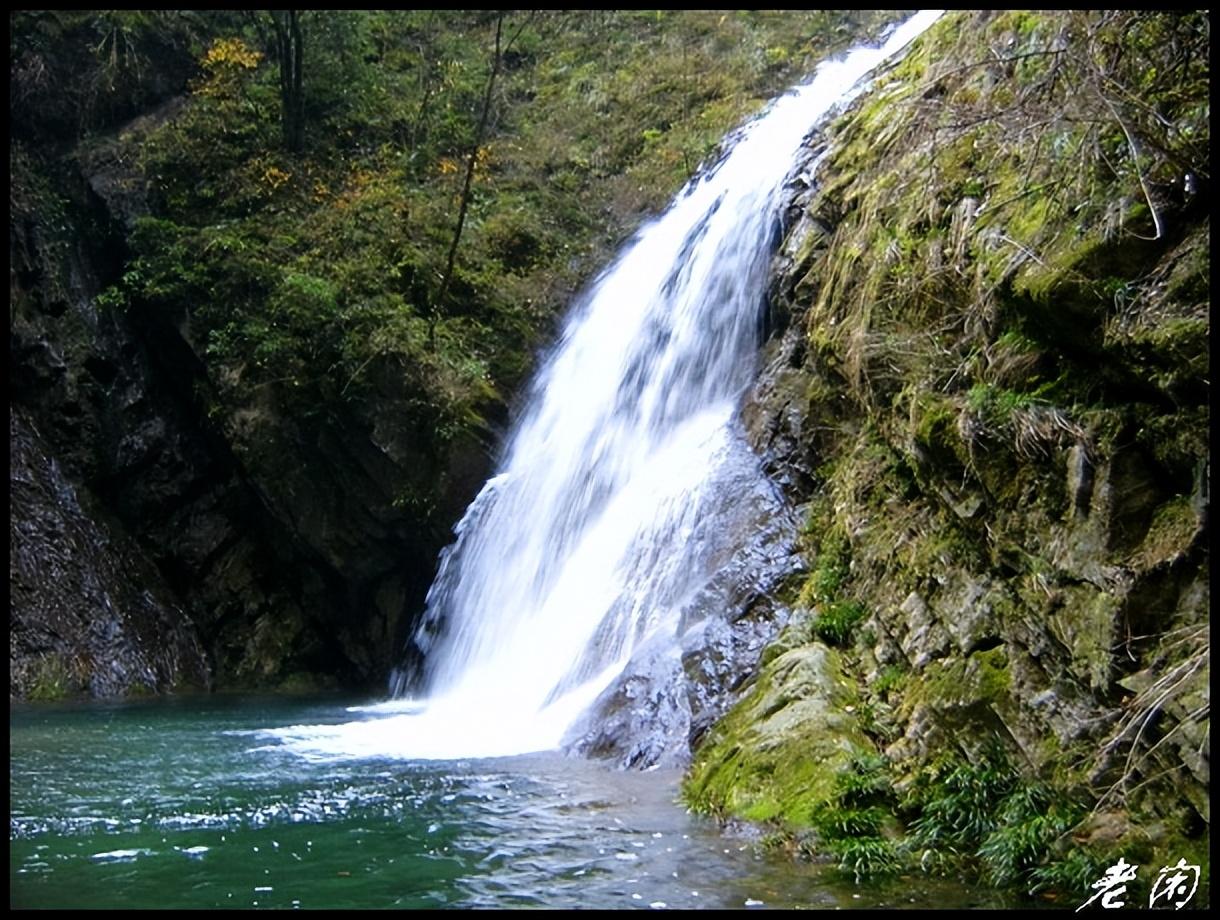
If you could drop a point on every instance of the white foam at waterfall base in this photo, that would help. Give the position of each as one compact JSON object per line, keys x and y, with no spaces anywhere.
{"x":586,"y":543}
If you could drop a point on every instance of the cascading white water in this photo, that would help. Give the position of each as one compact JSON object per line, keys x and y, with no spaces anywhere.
{"x":592,"y":535}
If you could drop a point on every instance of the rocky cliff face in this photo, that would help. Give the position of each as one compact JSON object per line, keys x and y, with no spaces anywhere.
{"x":671,"y":692}
{"x":89,"y":614}
{"x":991,"y":402}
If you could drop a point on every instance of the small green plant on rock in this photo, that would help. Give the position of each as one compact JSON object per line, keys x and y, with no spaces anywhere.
{"x":957,"y":803}
{"x":836,"y":622}
{"x":851,"y":824}
{"x":1029,"y":821}
{"x":50,"y":678}
{"x":892,"y":677}
{"x":1075,"y":872}
{"x":830,"y":570}
{"x":986,"y":814}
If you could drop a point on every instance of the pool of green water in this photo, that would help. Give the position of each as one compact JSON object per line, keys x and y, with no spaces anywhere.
{"x":181,"y":803}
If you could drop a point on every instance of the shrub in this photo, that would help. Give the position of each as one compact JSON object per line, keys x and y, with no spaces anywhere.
{"x":836,"y":622}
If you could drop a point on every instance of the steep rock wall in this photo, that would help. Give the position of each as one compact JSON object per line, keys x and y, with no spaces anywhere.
{"x":88,"y":614}
{"x":991,"y":401}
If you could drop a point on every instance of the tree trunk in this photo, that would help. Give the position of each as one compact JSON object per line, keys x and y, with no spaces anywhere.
{"x":289,"y":44}
{"x":471,"y":162}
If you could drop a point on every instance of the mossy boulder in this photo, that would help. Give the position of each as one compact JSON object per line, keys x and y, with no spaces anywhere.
{"x":776,"y":755}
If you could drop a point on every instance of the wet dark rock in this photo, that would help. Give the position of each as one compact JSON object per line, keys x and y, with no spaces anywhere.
{"x":89,"y":614}
{"x":644,"y":718}
{"x":680,"y":683}
{"x":719,"y":657}
{"x":775,"y":415}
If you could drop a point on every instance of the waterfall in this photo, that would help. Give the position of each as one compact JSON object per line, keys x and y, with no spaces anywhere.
{"x":596,"y":530}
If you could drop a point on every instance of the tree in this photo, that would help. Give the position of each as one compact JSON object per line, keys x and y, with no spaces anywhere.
{"x":289,"y":47}
{"x":472,"y":159}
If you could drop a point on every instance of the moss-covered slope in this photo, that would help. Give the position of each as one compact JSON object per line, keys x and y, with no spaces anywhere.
{"x":992,"y":399}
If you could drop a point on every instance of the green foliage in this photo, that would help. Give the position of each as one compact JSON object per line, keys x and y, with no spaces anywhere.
{"x":1074,"y":872}
{"x":866,"y":856}
{"x":831,"y":568}
{"x":986,"y":813}
{"x":851,"y":824}
{"x":1030,"y":820}
{"x":892,"y":677}
{"x":836,"y":622}
{"x":835,"y":619}
{"x":867,"y":781}
{"x":49,"y":677}
{"x":312,"y":281}
{"x":997,"y":404}
{"x":958,"y":802}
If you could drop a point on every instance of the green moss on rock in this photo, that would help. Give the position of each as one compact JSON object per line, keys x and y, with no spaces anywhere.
{"x":1005,"y":315}
{"x":50,"y":677}
{"x":981,"y":678}
{"x":776,"y":755}
{"x":1175,"y":524}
